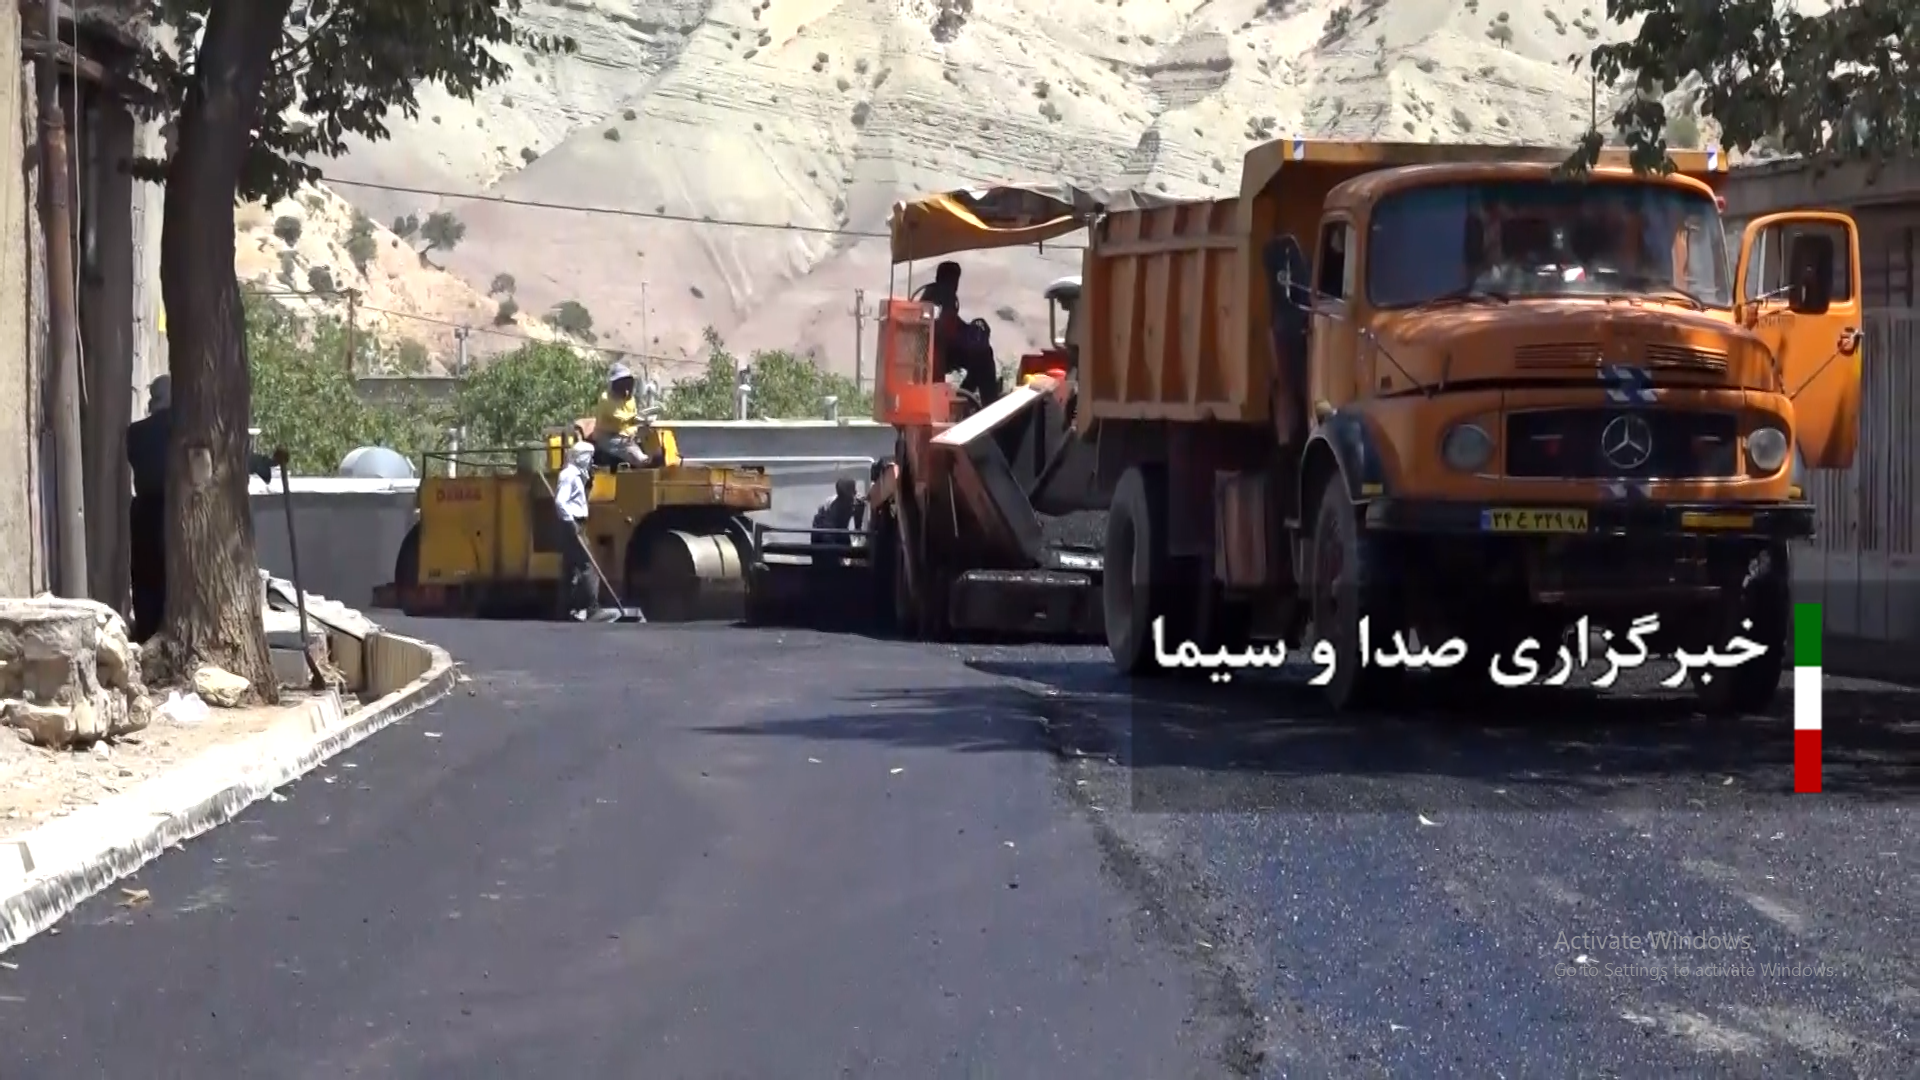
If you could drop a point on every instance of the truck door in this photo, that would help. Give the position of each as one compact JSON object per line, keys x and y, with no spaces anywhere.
{"x":1799,"y":287}
{"x":1330,"y":342}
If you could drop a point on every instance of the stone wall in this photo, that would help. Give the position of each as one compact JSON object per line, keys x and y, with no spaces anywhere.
{"x":68,"y":675}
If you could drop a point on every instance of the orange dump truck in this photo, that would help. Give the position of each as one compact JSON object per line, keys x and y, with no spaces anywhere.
{"x":1439,"y":390}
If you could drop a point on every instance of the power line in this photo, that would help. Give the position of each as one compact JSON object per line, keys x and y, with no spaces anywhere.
{"x":649,"y":215}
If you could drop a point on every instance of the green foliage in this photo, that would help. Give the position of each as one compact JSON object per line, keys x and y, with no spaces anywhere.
{"x":412,"y":358}
{"x":503,"y":285}
{"x":319,"y":279}
{"x":362,"y":248}
{"x":517,"y":396}
{"x":507,"y":310}
{"x":572,"y":317}
{"x":304,"y":399}
{"x":442,"y":231}
{"x":338,"y":70}
{"x":1836,"y":84}
{"x":784,"y":387}
{"x":287,"y":228}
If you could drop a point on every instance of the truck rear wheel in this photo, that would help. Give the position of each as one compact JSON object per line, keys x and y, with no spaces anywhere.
{"x":1137,"y":583}
{"x":1349,"y":585}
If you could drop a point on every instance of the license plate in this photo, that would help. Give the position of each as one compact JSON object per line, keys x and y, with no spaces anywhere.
{"x":1533,"y":521}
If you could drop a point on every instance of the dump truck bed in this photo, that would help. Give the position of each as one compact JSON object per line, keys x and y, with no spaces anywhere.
{"x":1175,"y":302}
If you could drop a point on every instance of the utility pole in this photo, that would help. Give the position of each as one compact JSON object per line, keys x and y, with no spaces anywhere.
{"x":859,"y":335}
{"x":62,"y":318}
{"x":460,"y":377}
{"x":353,"y":345}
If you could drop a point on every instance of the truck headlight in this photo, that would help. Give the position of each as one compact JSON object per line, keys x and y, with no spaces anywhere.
{"x":1767,"y":449}
{"x":1466,"y":448}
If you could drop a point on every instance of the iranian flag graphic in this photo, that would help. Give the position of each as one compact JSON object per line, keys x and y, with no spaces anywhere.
{"x":1806,"y":698}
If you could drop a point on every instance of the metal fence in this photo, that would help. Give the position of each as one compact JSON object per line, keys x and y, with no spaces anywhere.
{"x":1863,"y":566}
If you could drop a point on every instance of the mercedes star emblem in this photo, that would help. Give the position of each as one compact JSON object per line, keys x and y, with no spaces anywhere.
{"x":1627,"y":442}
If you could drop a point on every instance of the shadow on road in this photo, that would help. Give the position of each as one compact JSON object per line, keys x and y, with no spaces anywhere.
{"x":1195,"y":746}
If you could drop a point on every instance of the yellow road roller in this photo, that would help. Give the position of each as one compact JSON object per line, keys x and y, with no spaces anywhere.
{"x":672,"y":542}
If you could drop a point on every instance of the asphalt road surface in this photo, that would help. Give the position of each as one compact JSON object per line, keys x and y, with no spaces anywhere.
{"x":706,"y":852}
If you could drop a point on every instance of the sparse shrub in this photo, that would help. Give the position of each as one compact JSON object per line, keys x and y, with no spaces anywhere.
{"x":861,"y":112}
{"x":320,"y":279}
{"x":1339,"y":21}
{"x":1051,"y":111}
{"x":1500,"y":34}
{"x":528,"y":155}
{"x":842,"y":84}
{"x":360,"y":243}
{"x":611,"y":134}
{"x":629,"y":114}
{"x":405,"y":227}
{"x":503,"y":285}
{"x":503,"y":315}
{"x":571,"y":317}
{"x":287,"y":228}
{"x":694,"y":291}
{"x":442,"y":231}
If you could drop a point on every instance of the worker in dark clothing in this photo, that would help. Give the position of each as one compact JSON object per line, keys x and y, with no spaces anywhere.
{"x":147,"y":517}
{"x":147,"y":445}
{"x":846,"y":510}
{"x":959,"y":344}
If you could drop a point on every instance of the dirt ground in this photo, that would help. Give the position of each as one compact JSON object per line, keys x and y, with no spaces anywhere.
{"x":39,"y":785}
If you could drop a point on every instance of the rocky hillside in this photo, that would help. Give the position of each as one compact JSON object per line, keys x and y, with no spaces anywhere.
{"x":819,"y":114}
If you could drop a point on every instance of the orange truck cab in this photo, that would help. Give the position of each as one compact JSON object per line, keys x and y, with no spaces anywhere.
{"x":1056,"y":361}
{"x":1449,"y":393}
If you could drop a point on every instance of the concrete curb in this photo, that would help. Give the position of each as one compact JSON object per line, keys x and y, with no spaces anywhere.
{"x":70,"y":860}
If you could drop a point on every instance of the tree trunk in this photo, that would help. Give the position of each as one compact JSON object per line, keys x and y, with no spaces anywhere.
{"x":213,"y":583}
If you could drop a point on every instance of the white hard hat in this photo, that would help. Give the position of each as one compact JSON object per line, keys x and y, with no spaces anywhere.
{"x":582,"y":451}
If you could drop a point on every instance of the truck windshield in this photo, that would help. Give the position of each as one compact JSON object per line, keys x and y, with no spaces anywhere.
{"x":1520,"y":238}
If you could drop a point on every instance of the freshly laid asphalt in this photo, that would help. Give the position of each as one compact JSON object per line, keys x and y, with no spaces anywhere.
{"x":709,"y":852}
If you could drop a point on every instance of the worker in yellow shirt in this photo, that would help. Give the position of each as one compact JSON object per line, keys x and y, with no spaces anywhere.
{"x":622,"y":433}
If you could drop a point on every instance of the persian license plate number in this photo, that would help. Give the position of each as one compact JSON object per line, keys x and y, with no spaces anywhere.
{"x":1533,"y":521}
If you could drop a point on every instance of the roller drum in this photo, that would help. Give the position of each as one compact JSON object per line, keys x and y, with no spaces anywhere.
{"x":693,"y":576}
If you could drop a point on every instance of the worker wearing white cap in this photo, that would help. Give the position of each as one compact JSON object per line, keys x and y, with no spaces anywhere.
{"x":570,"y":502}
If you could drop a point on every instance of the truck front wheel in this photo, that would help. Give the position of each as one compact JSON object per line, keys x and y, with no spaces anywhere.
{"x":1348,"y":585}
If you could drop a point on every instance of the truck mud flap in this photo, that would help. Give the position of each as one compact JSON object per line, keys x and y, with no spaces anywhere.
{"x":1047,"y":605}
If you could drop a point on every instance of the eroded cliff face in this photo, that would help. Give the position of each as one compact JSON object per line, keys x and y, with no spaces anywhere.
{"x":817,"y":115}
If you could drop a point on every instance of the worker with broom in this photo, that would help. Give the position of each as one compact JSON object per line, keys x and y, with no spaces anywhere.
{"x":582,"y":582}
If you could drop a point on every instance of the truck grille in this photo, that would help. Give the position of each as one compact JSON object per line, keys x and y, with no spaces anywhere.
{"x":1654,"y":356}
{"x":1566,"y":443}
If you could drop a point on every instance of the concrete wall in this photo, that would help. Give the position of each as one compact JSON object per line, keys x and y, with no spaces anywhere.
{"x":19,"y":428}
{"x":349,"y":531}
